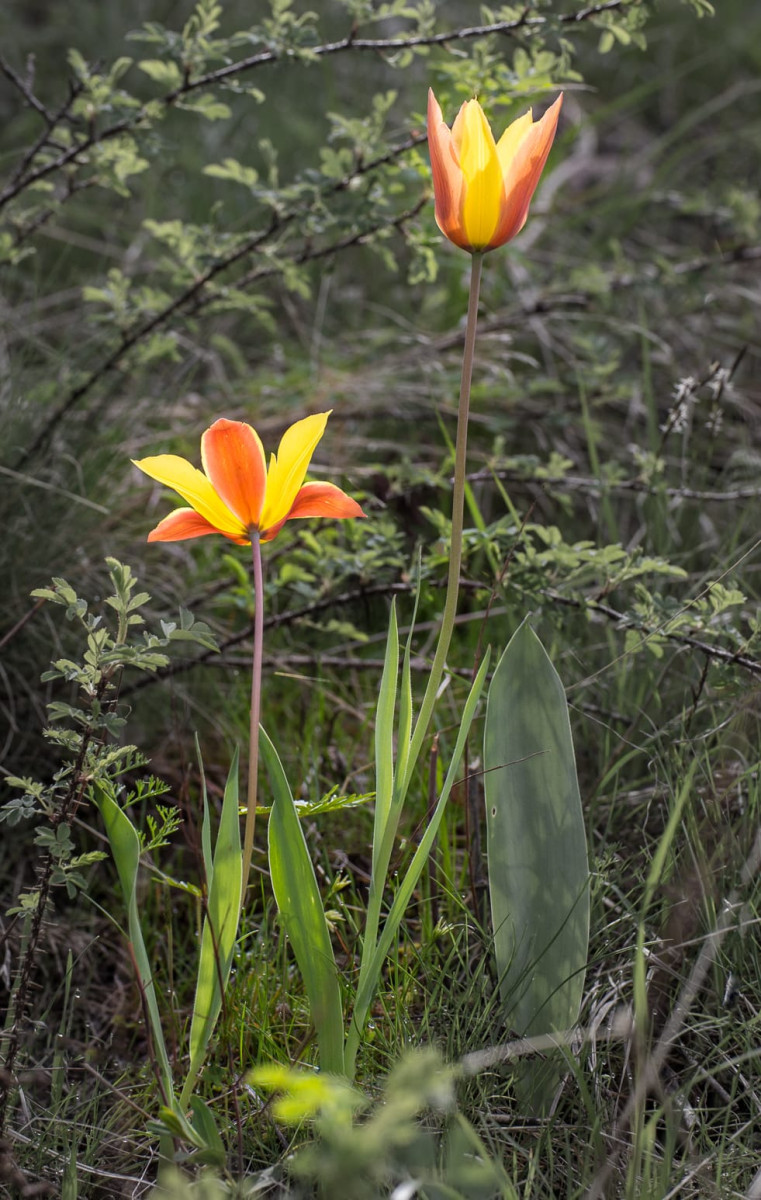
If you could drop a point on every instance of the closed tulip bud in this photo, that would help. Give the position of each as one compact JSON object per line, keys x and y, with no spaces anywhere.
{"x":483,"y":188}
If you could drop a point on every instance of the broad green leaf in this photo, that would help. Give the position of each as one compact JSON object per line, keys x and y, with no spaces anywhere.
{"x":125,"y":847}
{"x":300,"y":905}
{"x":220,"y":929}
{"x":213,"y":1153}
{"x":538,"y":868}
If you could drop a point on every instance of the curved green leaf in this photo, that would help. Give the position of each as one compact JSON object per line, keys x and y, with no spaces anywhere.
{"x":300,"y":905}
{"x":220,"y":928}
{"x":125,"y":847}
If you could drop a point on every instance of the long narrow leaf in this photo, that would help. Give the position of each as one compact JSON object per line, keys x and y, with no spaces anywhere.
{"x":300,"y":905}
{"x":405,"y":696}
{"x":125,"y":847}
{"x":208,"y":862}
{"x":538,"y":868}
{"x":384,"y":736}
{"x":220,"y":929}
{"x":369,"y":977}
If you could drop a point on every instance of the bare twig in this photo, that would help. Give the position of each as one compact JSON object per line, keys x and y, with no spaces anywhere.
{"x":19,"y":181}
{"x":583,"y":483}
{"x":22,"y":86}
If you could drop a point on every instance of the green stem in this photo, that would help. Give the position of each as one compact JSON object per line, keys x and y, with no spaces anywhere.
{"x":458,"y":507}
{"x":369,"y":963}
{"x":256,"y":698}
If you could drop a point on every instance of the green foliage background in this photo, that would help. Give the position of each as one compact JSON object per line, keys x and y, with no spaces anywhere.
{"x":183,"y":236}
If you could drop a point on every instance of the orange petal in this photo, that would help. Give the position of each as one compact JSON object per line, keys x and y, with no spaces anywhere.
{"x":524,"y":171}
{"x":318,"y":500}
{"x":448,"y":180}
{"x":233,"y":459}
{"x":186,"y":523}
{"x":323,"y":500}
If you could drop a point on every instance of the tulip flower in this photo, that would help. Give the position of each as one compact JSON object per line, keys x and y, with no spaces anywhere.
{"x":482,"y":188}
{"x":242,"y":498}
{"x":236,"y":494}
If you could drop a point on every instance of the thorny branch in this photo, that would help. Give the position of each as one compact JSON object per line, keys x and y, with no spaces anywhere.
{"x":392,"y":45}
{"x":130,"y":338}
{"x":26,"y":91}
{"x":525,"y":22}
{"x":357,"y":595}
{"x":195,"y":292}
{"x":195,"y":296}
{"x":377,"y":45}
{"x":583,"y":483}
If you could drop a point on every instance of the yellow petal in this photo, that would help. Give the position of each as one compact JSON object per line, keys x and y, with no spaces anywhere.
{"x":484,"y":191}
{"x":185,"y":479}
{"x":511,"y":140}
{"x":289,"y":466}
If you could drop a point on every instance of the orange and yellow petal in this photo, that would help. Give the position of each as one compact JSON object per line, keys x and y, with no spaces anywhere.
{"x":317,"y":500}
{"x":289,"y":466}
{"x":186,"y":523}
{"x":323,"y":500}
{"x":484,"y":189}
{"x":526,"y":164}
{"x":190,"y":483}
{"x":448,"y":181}
{"x":233,"y":459}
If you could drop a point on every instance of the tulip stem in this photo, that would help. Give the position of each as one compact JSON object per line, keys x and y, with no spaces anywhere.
{"x":365,"y":985}
{"x":256,"y":697}
{"x":458,"y":509}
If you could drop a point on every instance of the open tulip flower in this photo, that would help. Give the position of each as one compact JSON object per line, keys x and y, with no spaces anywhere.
{"x":236,"y":494}
{"x":483,"y":188}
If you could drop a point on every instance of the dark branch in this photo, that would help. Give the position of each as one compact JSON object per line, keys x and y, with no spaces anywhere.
{"x":266,"y":57}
